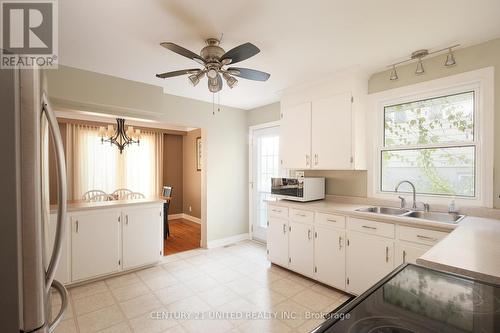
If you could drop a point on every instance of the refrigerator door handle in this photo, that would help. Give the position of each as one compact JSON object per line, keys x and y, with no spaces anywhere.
{"x":64,"y":304}
{"x":62,"y":192}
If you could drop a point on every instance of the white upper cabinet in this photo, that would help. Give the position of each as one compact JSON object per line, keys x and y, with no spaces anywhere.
{"x":331,"y":133}
{"x":323,"y":125}
{"x":295,"y":136}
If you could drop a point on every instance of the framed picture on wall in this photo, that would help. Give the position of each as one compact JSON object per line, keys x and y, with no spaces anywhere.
{"x":198,"y":153}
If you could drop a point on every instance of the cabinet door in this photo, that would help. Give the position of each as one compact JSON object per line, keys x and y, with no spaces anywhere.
{"x":332,"y":133}
{"x":277,"y":241}
{"x":329,"y":256}
{"x":369,"y":259}
{"x":408,"y":253}
{"x":301,"y":248}
{"x":140,"y":236}
{"x":295,"y":136}
{"x":95,"y":245}
{"x":63,"y":269}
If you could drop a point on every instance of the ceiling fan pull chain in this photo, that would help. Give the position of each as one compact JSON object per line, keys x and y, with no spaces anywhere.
{"x":213,"y":104}
{"x":218,"y":102}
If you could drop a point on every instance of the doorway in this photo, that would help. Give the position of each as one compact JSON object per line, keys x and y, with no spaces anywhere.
{"x":264,"y":164}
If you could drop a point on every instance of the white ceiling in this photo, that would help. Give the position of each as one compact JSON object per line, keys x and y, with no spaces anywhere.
{"x":300,"y":41}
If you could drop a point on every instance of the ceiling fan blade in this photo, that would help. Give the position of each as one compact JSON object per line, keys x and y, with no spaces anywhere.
{"x":177,"y":73}
{"x":240,"y":53}
{"x":250,"y":74}
{"x":217,"y":86}
{"x":183,"y":52}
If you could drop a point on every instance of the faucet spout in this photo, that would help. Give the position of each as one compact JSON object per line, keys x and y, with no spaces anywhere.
{"x":414,"y":204}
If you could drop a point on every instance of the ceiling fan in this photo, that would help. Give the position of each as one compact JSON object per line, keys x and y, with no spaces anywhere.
{"x":215,"y":61}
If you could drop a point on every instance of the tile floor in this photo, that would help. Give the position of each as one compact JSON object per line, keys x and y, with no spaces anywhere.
{"x":233,"y":281}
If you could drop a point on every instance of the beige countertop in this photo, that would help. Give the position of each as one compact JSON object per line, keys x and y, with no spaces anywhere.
{"x":471,"y":249}
{"x":328,"y":206}
{"x":79,"y":205}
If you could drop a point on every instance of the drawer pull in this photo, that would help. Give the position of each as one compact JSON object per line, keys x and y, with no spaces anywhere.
{"x":368,"y":227}
{"x":301,"y":214}
{"x":427,"y":238}
{"x":277,"y":210}
{"x":332,"y":220}
{"x":386,"y":254}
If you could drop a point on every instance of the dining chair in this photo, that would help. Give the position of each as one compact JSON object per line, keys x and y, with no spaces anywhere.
{"x":101,"y":198}
{"x":134,"y":195}
{"x":121,"y":193}
{"x":92,"y":193}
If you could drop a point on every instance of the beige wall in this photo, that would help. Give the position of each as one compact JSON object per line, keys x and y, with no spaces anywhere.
{"x":173,"y":170}
{"x":225,"y":140}
{"x":192,"y":177}
{"x":341,"y":182}
{"x":470,"y":58}
{"x":264,"y":114}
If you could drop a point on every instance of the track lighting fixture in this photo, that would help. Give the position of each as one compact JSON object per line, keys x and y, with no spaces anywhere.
{"x":418,"y":56}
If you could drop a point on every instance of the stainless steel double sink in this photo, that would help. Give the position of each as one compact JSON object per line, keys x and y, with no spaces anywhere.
{"x":432,"y":216}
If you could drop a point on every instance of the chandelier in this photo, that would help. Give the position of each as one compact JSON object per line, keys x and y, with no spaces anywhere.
{"x":119,"y":136}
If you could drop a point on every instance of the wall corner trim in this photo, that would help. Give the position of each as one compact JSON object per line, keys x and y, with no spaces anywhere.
{"x":228,"y":240}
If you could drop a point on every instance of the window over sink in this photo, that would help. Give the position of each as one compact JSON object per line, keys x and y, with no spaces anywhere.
{"x":437,"y":134}
{"x":431,"y":143}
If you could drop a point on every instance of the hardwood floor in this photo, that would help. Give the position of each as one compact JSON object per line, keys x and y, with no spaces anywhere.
{"x":184,"y":235}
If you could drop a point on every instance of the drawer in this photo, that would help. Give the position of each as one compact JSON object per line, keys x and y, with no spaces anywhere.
{"x":419,"y":236}
{"x":277,"y":211}
{"x":372,"y":227}
{"x":298,"y":215}
{"x":332,"y":220}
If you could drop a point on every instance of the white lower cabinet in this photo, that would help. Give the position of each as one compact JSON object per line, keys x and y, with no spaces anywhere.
{"x":408,"y":253}
{"x":329,"y":256}
{"x":140,"y":233}
{"x":301,"y":248}
{"x":369,"y":259}
{"x":95,"y":243}
{"x":277,"y":241}
{"x":347,"y":253}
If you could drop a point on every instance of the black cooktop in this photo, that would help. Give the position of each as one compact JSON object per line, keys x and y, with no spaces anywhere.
{"x":415,"y":299}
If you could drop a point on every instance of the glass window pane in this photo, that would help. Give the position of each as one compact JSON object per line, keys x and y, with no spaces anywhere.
{"x":441,"y":171}
{"x":436,"y":120}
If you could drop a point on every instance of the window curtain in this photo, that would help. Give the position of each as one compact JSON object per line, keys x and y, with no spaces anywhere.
{"x":93,"y":165}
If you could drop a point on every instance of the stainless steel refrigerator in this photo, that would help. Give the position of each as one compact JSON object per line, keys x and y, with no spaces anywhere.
{"x":28,"y":260}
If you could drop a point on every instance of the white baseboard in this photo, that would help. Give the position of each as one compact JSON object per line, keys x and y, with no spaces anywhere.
{"x":227,"y":240}
{"x":175,"y":216}
{"x":191,"y":218}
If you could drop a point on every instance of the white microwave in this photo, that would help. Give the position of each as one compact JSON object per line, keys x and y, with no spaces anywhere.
{"x":298,"y":189}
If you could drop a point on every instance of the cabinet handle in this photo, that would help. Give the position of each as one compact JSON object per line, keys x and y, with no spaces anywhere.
{"x":332,"y":220}
{"x":77,"y":226}
{"x":315,"y":159}
{"x":300,"y":214}
{"x":386,"y":254}
{"x":340,"y":242}
{"x":315,"y":234}
{"x":307,"y":159}
{"x":427,"y":238}
{"x":284,"y":228}
{"x":404,"y":256}
{"x":277,"y":210}
{"x":368,"y":227}
{"x":309,"y":234}
{"x":126,"y":219}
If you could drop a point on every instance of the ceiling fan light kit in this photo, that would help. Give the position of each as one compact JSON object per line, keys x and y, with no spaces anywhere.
{"x":418,"y":56}
{"x":215,"y":59}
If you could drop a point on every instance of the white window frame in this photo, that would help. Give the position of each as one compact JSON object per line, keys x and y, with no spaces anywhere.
{"x":482,"y":83}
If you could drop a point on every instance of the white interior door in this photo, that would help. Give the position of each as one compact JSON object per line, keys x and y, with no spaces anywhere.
{"x":264,"y":164}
